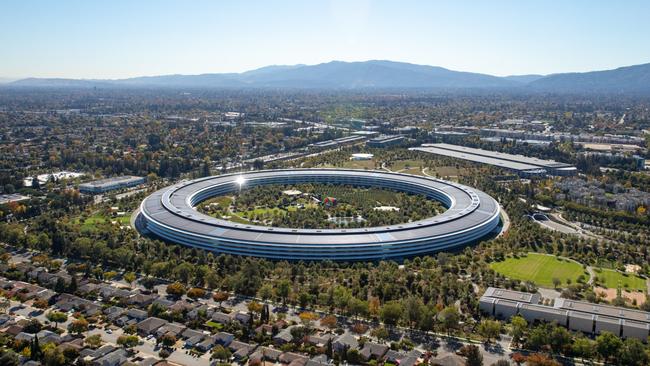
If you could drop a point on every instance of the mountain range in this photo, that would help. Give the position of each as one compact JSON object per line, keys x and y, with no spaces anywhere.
{"x":375,"y":75}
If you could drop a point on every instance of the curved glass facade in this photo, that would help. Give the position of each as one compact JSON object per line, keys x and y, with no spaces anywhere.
{"x":471,"y":214}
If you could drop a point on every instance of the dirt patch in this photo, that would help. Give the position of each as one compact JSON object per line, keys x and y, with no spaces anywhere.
{"x":610,"y":294}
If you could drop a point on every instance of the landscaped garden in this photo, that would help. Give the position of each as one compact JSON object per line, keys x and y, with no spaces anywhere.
{"x":320,"y":206}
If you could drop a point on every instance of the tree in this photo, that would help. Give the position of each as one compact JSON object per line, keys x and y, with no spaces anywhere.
{"x":34,"y":326}
{"x":176,"y":290}
{"x":357,"y":307}
{"x":78,"y":326}
{"x":538,"y":359}
{"x":608,"y":345}
{"x":130,"y":278}
{"x":128,"y":341}
{"x":53,"y":356}
{"x":283,"y":290}
{"x":196,"y":293}
{"x":220,"y":297}
{"x":35,"y":349}
{"x":449,"y":318}
{"x":9,"y":357}
{"x":518,"y":358}
{"x":265,"y":292}
{"x":539,"y":337}
{"x":168,"y":340}
{"x":329,"y":322}
{"x":353,"y":356}
{"x":583,"y":348}
{"x":220,"y":353}
{"x":473,"y":355}
{"x":307,"y":317}
{"x":560,"y":339}
{"x":41,"y":304}
{"x":489,"y":329}
{"x":518,"y":328}
{"x":93,"y":341}
{"x":304,"y":299}
{"x":556,"y":282}
{"x":633,"y":353}
{"x":164,"y":353}
{"x":56,"y":317}
{"x":413,"y":310}
{"x":391,"y":312}
{"x":255,"y":307}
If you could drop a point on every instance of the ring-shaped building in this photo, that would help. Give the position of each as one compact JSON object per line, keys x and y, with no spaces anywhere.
{"x":171,"y":215}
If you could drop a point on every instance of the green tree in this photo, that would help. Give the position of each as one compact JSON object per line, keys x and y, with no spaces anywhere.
{"x":93,"y":341}
{"x":518,"y":328}
{"x":489,"y":329}
{"x":583,"y":348}
{"x":128,"y":341}
{"x":78,"y":326}
{"x":129,"y":277}
{"x":391,"y":312}
{"x":608,"y":345}
{"x":283,"y":290}
{"x":449,"y":318}
{"x":633,"y":353}
{"x":265,"y":292}
{"x":560,"y":339}
{"x":220,"y":353}
{"x":56,"y":317}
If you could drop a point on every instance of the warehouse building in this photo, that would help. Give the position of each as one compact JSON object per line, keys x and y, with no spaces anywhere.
{"x":110,"y":184}
{"x":578,"y":316}
{"x":523,"y":165}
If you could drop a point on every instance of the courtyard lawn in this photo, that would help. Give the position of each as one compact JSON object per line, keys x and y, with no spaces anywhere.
{"x":540,"y":269}
{"x":613,"y":279}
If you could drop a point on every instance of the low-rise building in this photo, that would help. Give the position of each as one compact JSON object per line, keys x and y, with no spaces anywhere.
{"x":110,"y":184}
{"x":576,"y":315}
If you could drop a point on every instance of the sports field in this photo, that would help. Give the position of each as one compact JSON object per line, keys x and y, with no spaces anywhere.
{"x":540,"y":269}
{"x":614,"y":279}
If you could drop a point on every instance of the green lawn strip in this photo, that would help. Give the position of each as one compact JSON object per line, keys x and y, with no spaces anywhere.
{"x":540,"y":269}
{"x":614,"y":279}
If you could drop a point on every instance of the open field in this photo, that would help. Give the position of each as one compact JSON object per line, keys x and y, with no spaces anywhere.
{"x":614,"y":279}
{"x":540,"y":269}
{"x":359,"y":164}
{"x":91,"y":222}
{"x":410,"y":165}
{"x":444,"y":171}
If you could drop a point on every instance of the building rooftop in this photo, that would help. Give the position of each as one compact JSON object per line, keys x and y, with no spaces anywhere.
{"x":110,"y":181}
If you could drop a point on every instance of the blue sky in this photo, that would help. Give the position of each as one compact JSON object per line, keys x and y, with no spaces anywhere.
{"x":116,"y":39}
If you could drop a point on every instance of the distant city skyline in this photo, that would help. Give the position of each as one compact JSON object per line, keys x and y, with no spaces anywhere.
{"x":121,"y":39}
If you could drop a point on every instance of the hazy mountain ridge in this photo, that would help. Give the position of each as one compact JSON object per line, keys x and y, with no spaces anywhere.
{"x":376,"y":74}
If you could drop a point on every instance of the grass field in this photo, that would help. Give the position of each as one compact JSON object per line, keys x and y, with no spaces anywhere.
{"x":540,"y":269}
{"x":359,"y":164}
{"x":613,"y":279}
{"x":406,"y":164}
{"x":91,"y":222}
{"x":444,"y":171}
